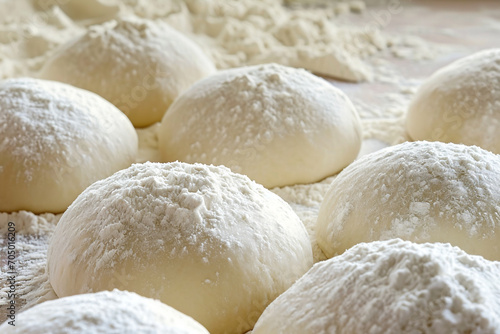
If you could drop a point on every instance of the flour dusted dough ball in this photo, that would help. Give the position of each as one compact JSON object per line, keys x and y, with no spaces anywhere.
{"x":278,"y":125}
{"x":89,"y":9}
{"x":460,"y":103}
{"x":108,"y":312}
{"x":56,"y":140}
{"x":391,"y":287}
{"x":419,"y":191}
{"x":210,"y":243}
{"x":140,"y":66}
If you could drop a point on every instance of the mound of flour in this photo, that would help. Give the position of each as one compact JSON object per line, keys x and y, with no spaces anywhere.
{"x":233,"y":32}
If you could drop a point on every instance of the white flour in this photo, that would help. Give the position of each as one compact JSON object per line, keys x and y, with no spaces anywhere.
{"x":232,"y":32}
{"x":32,"y":235}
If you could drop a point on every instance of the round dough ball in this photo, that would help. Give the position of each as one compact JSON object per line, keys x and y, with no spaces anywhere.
{"x":88,"y":9}
{"x":391,"y":287}
{"x":278,"y":125}
{"x":460,"y":103}
{"x":420,"y":191}
{"x":55,"y":141}
{"x":107,"y":312}
{"x":210,"y":243}
{"x":140,"y":66}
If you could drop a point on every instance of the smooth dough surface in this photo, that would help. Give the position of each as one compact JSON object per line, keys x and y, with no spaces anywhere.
{"x":208,"y":242}
{"x":107,"y":312}
{"x":460,"y":103}
{"x":418,"y":191}
{"x":55,"y":141}
{"x":88,"y":9}
{"x":278,"y":125}
{"x":391,"y":287}
{"x":140,"y":66}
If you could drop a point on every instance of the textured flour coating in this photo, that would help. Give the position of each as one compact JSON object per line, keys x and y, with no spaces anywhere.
{"x":391,"y":286}
{"x":460,"y":103}
{"x":210,"y":243}
{"x":112,"y":312}
{"x":32,"y":233}
{"x":28,"y":223}
{"x":249,"y":32}
{"x":233,"y":32}
{"x":419,"y":191}
{"x":276,"y":124}
{"x":55,"y":140}
{"x":139,"y":65}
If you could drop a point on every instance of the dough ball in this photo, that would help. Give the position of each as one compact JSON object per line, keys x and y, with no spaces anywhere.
{"x":56,"y":140}
{"x":391,"y":287}
{"x":89,"y":9}
{"x":420,"y":191}
{"x":210,"y":243}
{"x":140,"y":66}
{"x":278,"y":125}
{"x":460,"y":103}
{"x":104,"y":312}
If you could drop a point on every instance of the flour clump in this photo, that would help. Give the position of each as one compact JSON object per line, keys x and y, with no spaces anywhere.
{"x":276,"y":124}
{"x":208,"y":242}
{"x":460,"y":103}
{"x":140,"y":66}
{"x":389,"y":287}
{"x":56,"y":140}
{"x":418,"y":191}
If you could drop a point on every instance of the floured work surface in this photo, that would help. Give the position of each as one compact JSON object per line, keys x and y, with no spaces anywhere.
{"x":379,"y":53}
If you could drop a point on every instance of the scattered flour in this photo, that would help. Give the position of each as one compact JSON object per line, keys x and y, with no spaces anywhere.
{"x":233,"y":32}
{"x":391,"y":287}
{"x":32,"y":237}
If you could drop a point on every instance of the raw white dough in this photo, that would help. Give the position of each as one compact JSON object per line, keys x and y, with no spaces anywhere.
{"x":391,"y":287}
{"x":55,"y":141}
{"x":210,"y":243}
{"x":276,"y":124}
{"x":107,"y":312}
{"x":460,"y":103}
{"x":140,"y":66}
{"x":89,"y":9}
{"x":419,"y":191}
